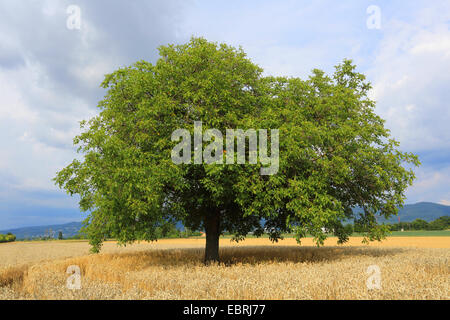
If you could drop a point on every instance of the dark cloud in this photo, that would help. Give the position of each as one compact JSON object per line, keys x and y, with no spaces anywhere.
{"x":50,"y":77}
{"x":112,"y":34}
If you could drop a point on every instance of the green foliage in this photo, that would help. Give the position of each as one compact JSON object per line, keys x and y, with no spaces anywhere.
{"x":335,"y":153}
{"x":60,"y":235}
{"x":441,"y":223}
{"x":79,"y":236}
{"x":169,"y":230}
{"x":419,"y":224}
{"x":9,"y":237}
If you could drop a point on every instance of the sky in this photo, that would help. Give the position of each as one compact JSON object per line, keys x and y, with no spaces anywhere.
{"x":55,"y":53}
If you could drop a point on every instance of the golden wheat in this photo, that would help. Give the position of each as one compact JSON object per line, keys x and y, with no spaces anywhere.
{"x":254,"y":269}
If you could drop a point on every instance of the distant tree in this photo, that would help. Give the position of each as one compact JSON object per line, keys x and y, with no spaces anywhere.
{"x":9,"y":237}
{"x":348,"y":229}
{"x":446,"y":220}
{"x":335,"y":153}
{"x":168,"y":230}
{"x":60,"y":235}
{"x":438,"y":224}
{"x":394,"y":227}
{"x":419,"y":224}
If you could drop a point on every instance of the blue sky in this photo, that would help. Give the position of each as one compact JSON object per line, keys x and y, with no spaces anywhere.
{"x":50,"y":75}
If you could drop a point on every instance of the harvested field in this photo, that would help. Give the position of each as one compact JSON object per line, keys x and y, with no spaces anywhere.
{"x":410,"y":268}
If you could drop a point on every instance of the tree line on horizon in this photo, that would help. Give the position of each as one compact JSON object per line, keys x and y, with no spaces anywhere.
{"x":441,"y":223}
{"x":171,"y":230}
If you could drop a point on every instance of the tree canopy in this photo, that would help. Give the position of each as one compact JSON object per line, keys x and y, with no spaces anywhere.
{"x":334,"y":152}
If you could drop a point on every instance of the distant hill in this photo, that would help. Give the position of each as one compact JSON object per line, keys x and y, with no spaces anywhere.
{"x":68,"y":230}
{"x":427,"y":211}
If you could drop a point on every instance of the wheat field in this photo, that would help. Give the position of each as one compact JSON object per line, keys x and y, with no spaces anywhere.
{"x":410,"y":268}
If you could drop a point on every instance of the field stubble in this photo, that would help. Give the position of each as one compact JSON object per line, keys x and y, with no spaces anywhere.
{"x":253,"y":270}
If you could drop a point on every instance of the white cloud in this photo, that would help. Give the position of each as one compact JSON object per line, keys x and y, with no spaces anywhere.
{"x":13,"y":105}
{"x":432,"y":184}
{"x":411,"y":81}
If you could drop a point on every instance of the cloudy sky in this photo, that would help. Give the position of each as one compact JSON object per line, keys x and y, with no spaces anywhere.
{"x":51,"y":65}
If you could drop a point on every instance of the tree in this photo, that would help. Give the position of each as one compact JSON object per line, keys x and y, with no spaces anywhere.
{"x":438,"y":224}
{"x":419,"y":224}
{"x":334,"y":152}
{"x":445,"y":221}
{"x":60,"y":235}
{"x":9,"y":237}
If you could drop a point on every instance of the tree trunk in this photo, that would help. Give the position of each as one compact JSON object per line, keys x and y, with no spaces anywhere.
{"x":212,"y":229}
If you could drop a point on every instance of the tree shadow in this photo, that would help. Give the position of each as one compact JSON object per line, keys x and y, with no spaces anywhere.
{"x":298,"y":254}
{"x":253,"y":255}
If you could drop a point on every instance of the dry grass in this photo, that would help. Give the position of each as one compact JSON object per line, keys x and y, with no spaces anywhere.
{"x":255,"y":269}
